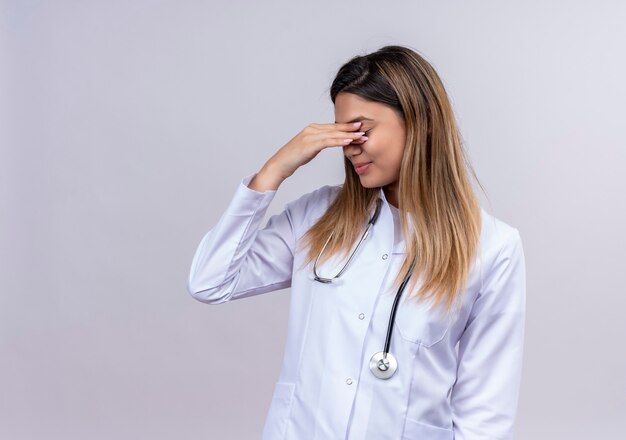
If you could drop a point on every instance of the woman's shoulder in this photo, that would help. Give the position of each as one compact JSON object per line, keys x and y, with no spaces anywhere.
{"x":319,"y":198}
{"x":497,"y":236}
{"x":308,"y":207}
{"x":313,"y":203}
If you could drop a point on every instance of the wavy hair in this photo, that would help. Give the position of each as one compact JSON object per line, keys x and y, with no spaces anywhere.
{"x":439,"y":211}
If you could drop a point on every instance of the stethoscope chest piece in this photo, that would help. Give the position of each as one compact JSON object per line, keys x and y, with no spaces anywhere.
{"x":383,"y":367}
{"x":383,"y":364}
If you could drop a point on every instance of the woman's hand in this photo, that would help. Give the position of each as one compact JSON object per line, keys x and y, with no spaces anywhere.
{"x":301,"y":149}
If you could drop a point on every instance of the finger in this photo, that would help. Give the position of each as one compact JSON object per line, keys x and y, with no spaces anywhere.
{"x":336,"y":136}
{"x":347,"y":126}
{"x":347,"y":134}
{"x":358,"y":141}
{"x":334,"y":142}
{"x":339,"y":138}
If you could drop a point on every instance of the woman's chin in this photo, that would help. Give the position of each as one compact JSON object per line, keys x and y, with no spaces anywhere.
{"x":368,"y":182}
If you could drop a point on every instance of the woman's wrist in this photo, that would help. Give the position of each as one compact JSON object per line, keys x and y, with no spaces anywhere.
{"x":267,"y":179}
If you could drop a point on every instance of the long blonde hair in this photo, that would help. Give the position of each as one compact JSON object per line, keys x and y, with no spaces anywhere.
{"x":434,"y":190}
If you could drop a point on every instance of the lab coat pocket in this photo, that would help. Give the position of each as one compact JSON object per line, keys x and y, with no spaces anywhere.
{"x":414,"y":430}
{"x":416,"y":321}
{"x":278,"y":414}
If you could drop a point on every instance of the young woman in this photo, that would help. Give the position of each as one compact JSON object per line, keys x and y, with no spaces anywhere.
{"x":407,"y":309}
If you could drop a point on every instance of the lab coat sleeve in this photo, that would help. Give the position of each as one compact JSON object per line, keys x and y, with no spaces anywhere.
{"x":236,"y":259}
{"x":485,"y":395}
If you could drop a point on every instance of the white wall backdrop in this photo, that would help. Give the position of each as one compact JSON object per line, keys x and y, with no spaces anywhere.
{"x":125,"y":128}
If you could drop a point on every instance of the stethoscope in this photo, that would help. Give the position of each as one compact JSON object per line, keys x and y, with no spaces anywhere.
{"x":382,"y":364}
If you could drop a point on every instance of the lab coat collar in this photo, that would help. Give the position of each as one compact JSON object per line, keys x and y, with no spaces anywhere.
{"x":381,"y":195}
{"x":386,"y":205}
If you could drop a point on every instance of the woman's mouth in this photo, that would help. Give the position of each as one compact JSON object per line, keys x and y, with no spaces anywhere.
{"x":360,"y":169}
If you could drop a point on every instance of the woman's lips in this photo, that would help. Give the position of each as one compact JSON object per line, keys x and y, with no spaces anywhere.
{"x":361,"y":169}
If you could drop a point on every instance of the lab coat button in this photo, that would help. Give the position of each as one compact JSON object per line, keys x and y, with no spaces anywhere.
{"x":361,"y":315}
{"x":349,"y":381}
{"x":385,"y":256}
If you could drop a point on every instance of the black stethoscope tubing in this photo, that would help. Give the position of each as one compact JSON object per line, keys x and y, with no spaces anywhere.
{"x":394,"y":307}
{"x":382,"y":364}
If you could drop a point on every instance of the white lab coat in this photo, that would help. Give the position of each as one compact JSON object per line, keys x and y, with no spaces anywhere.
{"x":325,"y":389}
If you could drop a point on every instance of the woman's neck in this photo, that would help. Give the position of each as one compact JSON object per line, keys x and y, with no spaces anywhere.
{"x":391,"y":194}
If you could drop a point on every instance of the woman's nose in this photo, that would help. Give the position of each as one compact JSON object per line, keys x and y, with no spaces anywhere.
{"x":353,"y":147}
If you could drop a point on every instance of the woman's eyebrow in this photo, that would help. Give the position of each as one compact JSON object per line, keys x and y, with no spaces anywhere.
{"x":357,"y":119}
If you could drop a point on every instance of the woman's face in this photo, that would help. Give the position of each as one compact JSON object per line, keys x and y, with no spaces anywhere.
{"x":385,"y":144}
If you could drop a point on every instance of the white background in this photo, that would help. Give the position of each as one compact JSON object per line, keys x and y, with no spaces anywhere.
{"x":126,"y":126}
